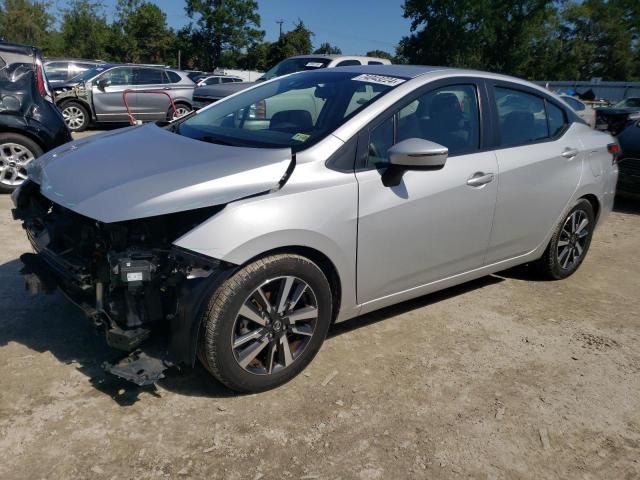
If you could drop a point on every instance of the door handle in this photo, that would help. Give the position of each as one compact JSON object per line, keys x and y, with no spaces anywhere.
{"x":479,"y":179}
{"x":570,"y":152}
{"x":167,"y":88}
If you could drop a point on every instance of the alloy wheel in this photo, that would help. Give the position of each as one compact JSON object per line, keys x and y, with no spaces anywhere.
{"x":73,"y":116}
{"x":274,"y":325}
{"x":573,"y":239}
{"x":14,"y":159}
{"x":180,"y":111}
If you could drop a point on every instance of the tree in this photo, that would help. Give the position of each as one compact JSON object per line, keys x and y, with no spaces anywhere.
{"x":327,"y":49}
{"x":380,"y":54}
{"x":500,"y":36}
{"x":224,"y":25}
{"x":84,"y":31}
{"x":293,"y":42}
{"x":25,"y":21}
{"x":601,"y":38}
{"x":140,"y":32}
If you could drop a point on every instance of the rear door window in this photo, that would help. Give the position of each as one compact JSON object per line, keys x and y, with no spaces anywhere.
{"x":149,"y":76}
{"x":173,"y":77}
{"x":523,"y":117}
{"x":348,"y":63}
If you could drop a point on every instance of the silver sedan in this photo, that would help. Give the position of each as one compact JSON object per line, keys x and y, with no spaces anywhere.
{"x":238,"y":235}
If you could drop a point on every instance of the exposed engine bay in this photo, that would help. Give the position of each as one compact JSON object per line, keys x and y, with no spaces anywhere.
{"x":126,"y":276}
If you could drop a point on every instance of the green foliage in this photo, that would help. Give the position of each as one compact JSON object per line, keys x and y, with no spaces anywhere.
{"x":25,"y":21}
{"x":140,"y":33}
{"x":84,"y":32}
{"x":537,"y":39}
{"x":293,"y":42}
{"x":223,"y":26}
{"x":327,"y":49}
{"x":380,"y":54}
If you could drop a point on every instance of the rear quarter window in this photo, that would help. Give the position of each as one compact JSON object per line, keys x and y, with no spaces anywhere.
{"x":173,"y":77}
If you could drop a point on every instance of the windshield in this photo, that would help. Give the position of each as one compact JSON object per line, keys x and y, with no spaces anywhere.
{"x":89,"y":74}
{"x":293,"y":111}
{"x":293,"y":65}
{"x":628,"y":103}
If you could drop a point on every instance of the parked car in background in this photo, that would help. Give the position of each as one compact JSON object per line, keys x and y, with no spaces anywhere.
{"x":205,"y":95}
{"x":97,"y":95}
{"x":61,"y":70}
{"x":30,"y":123}
{"x":616,"y":118}
{"x":584,"y":111}
{"x":193,"y":74}
{"x":240,"y":240}
{"x":629,"y":159}
{"x":215,"y":80}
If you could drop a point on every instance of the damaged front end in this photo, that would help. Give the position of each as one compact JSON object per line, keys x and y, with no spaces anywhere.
{"x":144,"y":293}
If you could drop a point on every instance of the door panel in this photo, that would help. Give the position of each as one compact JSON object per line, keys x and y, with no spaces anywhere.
{"x":151,"y":106}
{"x":108,"y":104}
{"x":431,"y":226}
{"x":536,"y":183}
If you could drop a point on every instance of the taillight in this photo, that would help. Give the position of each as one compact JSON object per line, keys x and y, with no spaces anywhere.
{"x":42,"y":90}
{"x":614,"y":150}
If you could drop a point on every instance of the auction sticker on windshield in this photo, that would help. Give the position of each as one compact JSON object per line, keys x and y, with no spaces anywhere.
{"x":380,"y":79}
{"x":315,"y":65}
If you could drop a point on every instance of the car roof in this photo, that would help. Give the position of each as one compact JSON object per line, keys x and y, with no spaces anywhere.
{"x":413,"y":71}
{"x":330,"y":56}
{"x":85,"y":60}
{"x":16,"y":48}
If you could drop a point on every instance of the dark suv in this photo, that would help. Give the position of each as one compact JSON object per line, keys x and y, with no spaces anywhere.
{"x":30,"y":123}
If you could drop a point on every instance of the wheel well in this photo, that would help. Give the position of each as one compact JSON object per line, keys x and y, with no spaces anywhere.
{"x":26,"y":134}
{"x":323,"y":262}
{"x":595,"y":203}
{"x":62,"y":103}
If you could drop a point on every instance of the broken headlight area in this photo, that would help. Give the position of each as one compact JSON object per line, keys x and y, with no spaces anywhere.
{"x":127,"y":277}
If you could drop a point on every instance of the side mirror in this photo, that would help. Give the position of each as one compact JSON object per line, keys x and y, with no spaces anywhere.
{"x":102,"y":84}
{"x":413,"y":154}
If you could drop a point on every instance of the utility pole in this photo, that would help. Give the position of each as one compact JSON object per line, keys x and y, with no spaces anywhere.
{"x":280,"y":22}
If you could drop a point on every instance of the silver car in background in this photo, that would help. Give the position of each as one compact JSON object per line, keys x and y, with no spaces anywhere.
{"x":584,"y":111}
{"x":239,"y":238}
{"x":97,"y":95}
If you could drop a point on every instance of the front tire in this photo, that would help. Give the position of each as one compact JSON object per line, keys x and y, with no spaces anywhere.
{"x":266,"y":323}
{"x":569,"y":244}
{"x":76,"y":116}
{"x":16,"y":153}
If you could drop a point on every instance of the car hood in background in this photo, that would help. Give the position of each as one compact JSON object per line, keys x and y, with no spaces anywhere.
{"x":145,"y":171}
{"x":222,"y":90}
{"x":616,"y":111}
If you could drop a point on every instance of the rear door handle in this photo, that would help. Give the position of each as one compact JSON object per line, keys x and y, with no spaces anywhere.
{"x":570,"y":152}
{"x":479,"y":179}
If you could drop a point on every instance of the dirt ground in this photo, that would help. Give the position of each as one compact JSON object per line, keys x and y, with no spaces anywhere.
{"x":501,"y":378}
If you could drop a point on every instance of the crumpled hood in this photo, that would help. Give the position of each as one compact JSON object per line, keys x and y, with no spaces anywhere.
{"x":145,"y":171}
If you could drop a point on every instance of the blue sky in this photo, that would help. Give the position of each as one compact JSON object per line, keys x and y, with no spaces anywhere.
{"x":356,"y":26}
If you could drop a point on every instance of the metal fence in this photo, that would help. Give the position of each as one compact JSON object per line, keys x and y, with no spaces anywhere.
{"x":611,"y":91}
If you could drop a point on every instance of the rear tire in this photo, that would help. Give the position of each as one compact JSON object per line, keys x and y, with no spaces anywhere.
{"x":182,"y":109}
{"x":16,"y":153}
{"x":279,"y":306}
{"x":569,"y":244}
{"x":76,"y":116}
